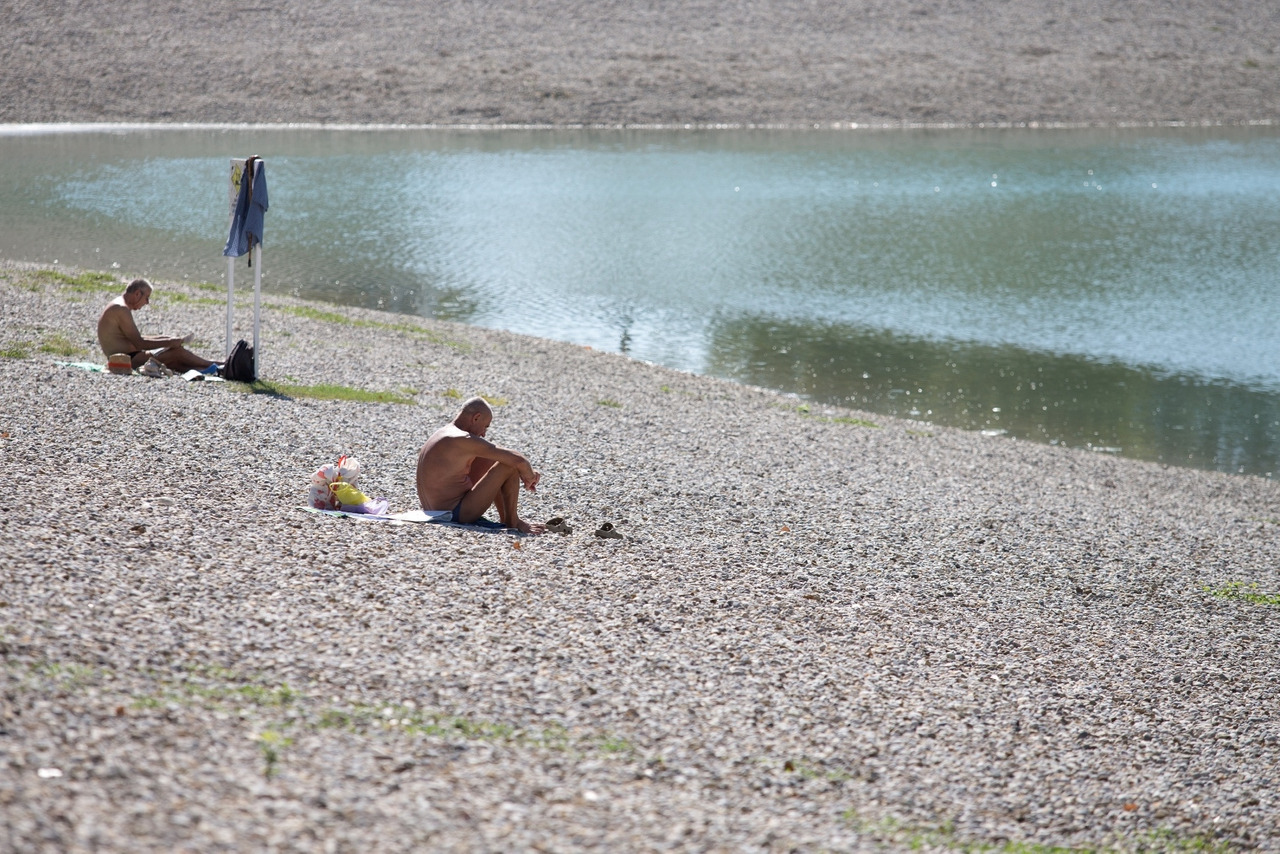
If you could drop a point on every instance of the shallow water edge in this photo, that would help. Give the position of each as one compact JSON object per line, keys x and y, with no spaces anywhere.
{"x":1025,"y":306}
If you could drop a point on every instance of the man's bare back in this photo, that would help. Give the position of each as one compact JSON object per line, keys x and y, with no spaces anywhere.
{"x":461,"y":471}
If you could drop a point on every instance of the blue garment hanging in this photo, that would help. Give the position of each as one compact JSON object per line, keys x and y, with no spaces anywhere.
{"x":251,"y":204}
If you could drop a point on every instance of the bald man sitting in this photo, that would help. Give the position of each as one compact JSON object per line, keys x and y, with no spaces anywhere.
{"x":117,"y":333}
{"x":461,"y":471}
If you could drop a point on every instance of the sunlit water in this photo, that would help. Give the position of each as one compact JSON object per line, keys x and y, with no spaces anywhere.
{"x":1115,"y":290}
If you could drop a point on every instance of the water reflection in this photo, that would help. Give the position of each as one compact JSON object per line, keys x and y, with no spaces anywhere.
{"x":1106,"y":406}
{"x":1115,"y":289}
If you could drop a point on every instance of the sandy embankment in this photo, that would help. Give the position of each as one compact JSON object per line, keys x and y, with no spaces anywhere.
{"x":570,"y":61}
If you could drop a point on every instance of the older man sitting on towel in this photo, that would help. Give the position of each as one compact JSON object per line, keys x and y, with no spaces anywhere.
{"x":461,"y":471}
{"x":117,"y":333}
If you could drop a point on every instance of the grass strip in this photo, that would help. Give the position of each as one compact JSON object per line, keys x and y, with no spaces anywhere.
{"x":60,"y":345}
{"x":320,"y":391}
{"x":87,"y":282}
{"x":913,"y":837}
{"x":327,"y":316}
{"x":1242,"y":592}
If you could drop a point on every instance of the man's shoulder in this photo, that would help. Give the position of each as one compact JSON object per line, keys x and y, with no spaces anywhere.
{"x":456,"y":436}
{"x":448,"y":432}
{"x":116,"y":306}
{"x":449,"y":436}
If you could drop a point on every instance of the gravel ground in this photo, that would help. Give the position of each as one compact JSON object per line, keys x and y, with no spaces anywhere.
{"x":825,"y":630}
{"x":640,"y":61}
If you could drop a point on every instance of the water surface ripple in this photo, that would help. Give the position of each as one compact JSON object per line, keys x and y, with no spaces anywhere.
{"x":1107,"y":289}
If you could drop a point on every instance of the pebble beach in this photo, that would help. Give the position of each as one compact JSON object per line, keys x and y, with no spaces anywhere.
{"x":822,"y":629}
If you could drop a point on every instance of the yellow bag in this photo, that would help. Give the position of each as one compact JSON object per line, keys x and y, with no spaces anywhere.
{"x":347,"y":494}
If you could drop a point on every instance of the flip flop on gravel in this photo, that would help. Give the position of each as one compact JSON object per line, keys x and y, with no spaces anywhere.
{"x":608,"y":532}
{"x":557,"y":525}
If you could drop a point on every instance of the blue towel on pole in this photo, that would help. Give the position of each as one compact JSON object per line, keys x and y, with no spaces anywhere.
{"x":251,"y":204}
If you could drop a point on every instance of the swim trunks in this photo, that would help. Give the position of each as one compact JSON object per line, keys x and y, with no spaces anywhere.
{"x":456,"y":517}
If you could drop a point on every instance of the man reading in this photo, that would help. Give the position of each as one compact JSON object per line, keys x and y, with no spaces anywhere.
{"x":117,"y":333}
{"x":461,"y":471}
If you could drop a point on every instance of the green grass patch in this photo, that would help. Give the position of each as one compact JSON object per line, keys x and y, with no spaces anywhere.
{"x":257,"y":695}
{"x":1166,"y":840}
{"x":890,"y":831}
{"x":615,"y":745}
{"x":270,"y":744}
{"x":856,"y":422}
{"x":414,"y":329}
{"x":72,"y":675}
{"x":916,"y":837}
{"x":80,"y":282}
{"x":805,"y":412}
{"x":807,"y":770}
{"x":16,"y":350}
{"x":60,"y":345}
{"x":327,"y":316}
{"x":492,"y":400}
{"x":551,"y":737}
{"x":1242,"y":592}
{"x":322,"y":391}
{"x":310,"y":313}
{"x":25,"y":282}
{"x":175,"y":297}
{"x":215,"y":687}
{"x":362,"y":718}
{"x":608,"y":402}
{"x":276,"y":714}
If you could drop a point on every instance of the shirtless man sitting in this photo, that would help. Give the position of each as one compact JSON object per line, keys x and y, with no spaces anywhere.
{"x":117,"y":333}
{"x":461,"y":471}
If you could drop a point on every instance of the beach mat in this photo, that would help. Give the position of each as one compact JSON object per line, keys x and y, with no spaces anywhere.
{"x":190,"y":376}
{"x":411,"y":517}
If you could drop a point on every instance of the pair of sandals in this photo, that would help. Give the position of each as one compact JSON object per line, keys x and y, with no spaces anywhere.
{"x":557,"y":525}
{"x":154,"y":369}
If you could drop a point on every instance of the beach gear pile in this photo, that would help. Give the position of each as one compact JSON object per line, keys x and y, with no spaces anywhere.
{"x":333,"y":487}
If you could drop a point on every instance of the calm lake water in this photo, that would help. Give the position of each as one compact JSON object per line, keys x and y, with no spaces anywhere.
{"x":1116,"y":290}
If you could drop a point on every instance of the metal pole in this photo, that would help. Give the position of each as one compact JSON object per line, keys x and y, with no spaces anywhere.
{"x":231,"y":287}
{"x":257,"y":307}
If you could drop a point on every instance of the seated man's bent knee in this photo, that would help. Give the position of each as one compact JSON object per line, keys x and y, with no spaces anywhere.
{"x":501,"y":471}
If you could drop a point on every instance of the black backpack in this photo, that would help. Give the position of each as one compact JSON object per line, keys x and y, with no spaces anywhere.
{"x":239,"y":366}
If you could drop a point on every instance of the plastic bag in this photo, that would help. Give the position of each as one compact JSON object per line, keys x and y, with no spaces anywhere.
{"x":319,"y":496}
{"x":348,"y":469}
{"x":333,"y":487}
